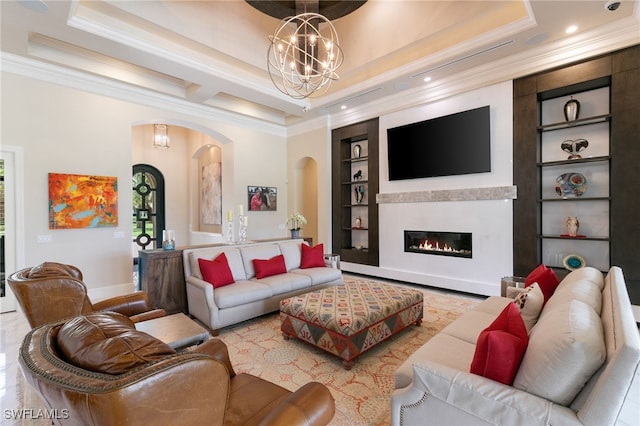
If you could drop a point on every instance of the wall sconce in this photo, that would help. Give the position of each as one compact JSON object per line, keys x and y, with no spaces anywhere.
{"x":160,"y":136}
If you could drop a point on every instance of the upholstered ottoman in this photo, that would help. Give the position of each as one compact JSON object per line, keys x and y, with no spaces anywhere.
{"x":349,"y":319}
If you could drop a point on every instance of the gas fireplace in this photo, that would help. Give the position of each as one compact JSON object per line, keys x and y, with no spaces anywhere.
{"x":457,"y":244}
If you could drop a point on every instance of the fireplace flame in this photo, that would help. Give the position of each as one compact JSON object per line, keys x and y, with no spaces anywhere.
{"x":426,"y":245}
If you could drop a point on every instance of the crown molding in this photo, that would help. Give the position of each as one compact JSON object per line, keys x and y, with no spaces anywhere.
{"x":54,"y":74}
{"x":607,"y":39}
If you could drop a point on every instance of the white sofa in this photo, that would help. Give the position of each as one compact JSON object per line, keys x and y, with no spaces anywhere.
{"x":582,"y":356}
{"x":249,"y":297}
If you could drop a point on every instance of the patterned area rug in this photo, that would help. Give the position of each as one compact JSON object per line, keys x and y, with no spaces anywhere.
{"x":362,"y":394}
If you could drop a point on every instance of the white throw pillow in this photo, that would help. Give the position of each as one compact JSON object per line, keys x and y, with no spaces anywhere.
{"x":529,"y":302}
{"x":566,"y":347}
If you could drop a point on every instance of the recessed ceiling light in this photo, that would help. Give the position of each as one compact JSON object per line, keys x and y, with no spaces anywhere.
{"x":571,"y":29}
{"x":343,"y":107}
{"x":427,"y":79}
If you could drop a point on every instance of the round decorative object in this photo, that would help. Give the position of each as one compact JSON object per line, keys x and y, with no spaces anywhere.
{"x":573,"y":262}
{"x":357,"y":150}
{"x":358,"y":222}
{"x":571,"y":109}
{"x":574,"y":147}
{"x":571,"y":185}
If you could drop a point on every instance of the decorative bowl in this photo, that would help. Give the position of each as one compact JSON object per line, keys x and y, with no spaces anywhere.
{"x":573,"y":262}
{"x":571,"y":185}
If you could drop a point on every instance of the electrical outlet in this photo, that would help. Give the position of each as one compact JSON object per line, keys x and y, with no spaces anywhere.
{"x":43,"y":239}
{"x":281,"y":226}
{"x":118,"y":234}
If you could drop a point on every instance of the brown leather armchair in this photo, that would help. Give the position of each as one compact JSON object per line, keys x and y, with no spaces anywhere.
{"x":53,"y":291}
{"x":97,"y":369}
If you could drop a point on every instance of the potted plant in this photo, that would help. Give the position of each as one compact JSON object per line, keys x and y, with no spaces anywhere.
{"x":294,"y":223}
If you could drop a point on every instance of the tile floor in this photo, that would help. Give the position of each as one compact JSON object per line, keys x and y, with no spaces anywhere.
{"x":13,"y":327}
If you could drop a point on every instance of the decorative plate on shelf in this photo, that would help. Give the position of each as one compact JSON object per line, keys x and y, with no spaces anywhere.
{"x":571,"y":185}
{"x":573,"y":262}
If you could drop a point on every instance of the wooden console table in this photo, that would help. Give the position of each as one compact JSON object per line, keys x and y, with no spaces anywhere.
{"x":161,"y":276}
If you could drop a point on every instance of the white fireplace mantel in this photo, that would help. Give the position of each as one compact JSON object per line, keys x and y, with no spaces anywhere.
{"x":465,"y":194}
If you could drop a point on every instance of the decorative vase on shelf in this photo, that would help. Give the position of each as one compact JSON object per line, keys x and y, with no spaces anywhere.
{"x":359,"y":193}
{"x":571,"y":109}
{"x":295,"y":233}
{"x":572,"y":226}
{"x":357,"y":150}
{"x":168,"y":239}
{"x":358,"y":222}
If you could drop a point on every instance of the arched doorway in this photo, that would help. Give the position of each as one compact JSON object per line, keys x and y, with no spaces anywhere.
{"x":306,"y":195}
{"x":148,"y":208}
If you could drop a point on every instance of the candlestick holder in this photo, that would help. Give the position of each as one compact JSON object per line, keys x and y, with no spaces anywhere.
{"x":242,"y":230}
{"x":230,"y":232}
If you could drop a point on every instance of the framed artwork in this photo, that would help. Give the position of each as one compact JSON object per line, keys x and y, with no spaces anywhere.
{"x":211,"y":194}
{"x":262,"y":198}
{"x":82,"y":201}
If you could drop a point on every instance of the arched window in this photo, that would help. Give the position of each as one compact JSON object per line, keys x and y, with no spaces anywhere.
{"x":148,"y":207}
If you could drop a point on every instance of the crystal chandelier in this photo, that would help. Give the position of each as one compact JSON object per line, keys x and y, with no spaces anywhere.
{"x":302,"y":61}
{"x":161,"y":136}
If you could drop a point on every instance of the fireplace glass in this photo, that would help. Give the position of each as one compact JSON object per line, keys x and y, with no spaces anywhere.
{"x":457,"y":244}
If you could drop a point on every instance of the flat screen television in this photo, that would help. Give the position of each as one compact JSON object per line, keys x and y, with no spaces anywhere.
{"x":455,"y":144}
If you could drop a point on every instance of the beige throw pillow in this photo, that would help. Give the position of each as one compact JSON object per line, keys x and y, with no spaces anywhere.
{"x":530,"y":302}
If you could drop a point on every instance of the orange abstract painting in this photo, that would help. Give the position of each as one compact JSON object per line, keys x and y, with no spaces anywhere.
{"x":81,"y":201}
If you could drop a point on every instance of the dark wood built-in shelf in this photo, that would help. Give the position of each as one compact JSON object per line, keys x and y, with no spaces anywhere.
{"x":619,"y":71}
{"x":344,"y":234}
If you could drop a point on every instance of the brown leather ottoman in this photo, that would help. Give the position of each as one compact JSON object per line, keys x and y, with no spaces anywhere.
{"x":349,"y":319}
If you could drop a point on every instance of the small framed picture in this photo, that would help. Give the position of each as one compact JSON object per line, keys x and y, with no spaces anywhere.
{"x":262,"y":198}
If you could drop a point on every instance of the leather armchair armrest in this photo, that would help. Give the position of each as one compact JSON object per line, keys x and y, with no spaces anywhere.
{"x":128,"y":304}
{"x":149,"y":315}
{"x":218,"y":350}
{"x":310,"y":405}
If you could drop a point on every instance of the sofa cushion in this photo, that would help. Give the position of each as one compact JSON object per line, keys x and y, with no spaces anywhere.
{"x":566,"y":347}
{"x":233,"y":259}
{"x":106,"y":342}
{"x":291,"y":252}
{"x":584,"y":284}
{"x":216,"y":271}
{"x":320,"y":275}
{"x":285,"y":282}
{"x":258,"y":251}
{"x":312,"y":257}
{"x":241,"y":293}
{"x":546,"y":279}
{"x":442,"y":349}
{"x":268,"y":267}
{"x":501,"y":346}
{"x":529,"y":302}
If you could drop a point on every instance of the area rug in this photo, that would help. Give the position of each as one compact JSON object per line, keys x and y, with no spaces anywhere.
{"x":362,"y":394}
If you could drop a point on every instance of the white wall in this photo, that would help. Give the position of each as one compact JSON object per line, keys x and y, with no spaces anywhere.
{"x":490,"y":221}
{"x":66,"y":130}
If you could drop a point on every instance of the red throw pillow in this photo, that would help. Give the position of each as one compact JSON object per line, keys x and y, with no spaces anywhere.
{"x":266,"y":268}
{"x":546,"y":279}
{"x":216,"y":271}
{"x":312,"y":257}
{"x":501,"y":346}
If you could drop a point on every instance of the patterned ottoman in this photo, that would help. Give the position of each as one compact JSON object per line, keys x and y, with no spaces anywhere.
{"x":348,"y":319}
